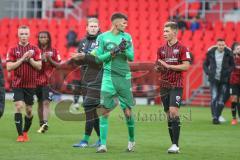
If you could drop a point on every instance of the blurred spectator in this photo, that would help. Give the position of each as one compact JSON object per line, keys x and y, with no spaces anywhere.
{"x":182,"y":25}
{"x":176,"y":17}
{"x":235,"y":83}
{"x":218,"y":66}
{"x":194,"y":24}
{"x":71,"y":39}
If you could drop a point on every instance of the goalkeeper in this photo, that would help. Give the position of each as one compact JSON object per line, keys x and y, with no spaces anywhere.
{"x":115,"y":49}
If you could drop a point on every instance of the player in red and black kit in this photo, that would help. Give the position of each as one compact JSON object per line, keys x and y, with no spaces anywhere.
{"x":50,"y":60}
{"x":235,"y":84}
{"x":24,"y":60}
{"x":172,"y":59}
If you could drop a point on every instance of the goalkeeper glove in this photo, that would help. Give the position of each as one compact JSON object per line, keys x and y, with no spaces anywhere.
{"x":120,"y":48}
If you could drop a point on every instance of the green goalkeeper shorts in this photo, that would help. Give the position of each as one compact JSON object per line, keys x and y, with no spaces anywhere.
{"x":116,"y":87}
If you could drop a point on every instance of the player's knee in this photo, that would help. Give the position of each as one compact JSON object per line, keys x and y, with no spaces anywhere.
{"x":46,"y":103}
{"x":234,"y":98}
{"x":101,"y":110}
{"x":173,"y":111}
{"x":29,"y":111}
{"x":19,"y":105}
{"x":127,"y":113}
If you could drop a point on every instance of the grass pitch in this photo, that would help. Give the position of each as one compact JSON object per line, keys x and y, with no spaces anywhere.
{"x":199,"y":139}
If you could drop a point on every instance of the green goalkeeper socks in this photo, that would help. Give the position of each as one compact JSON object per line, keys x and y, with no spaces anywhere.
{"x":86,"y":137}
{"x":103,"y":129}
{"x":130,"y":125}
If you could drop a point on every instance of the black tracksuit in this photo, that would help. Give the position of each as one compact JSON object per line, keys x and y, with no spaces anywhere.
{"x":91,"y":72}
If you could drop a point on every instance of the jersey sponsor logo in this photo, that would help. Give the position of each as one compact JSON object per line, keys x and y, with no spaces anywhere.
{"x":171,"y":59}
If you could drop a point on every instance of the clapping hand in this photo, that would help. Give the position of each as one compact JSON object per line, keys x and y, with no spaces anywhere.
{"x":78,"y":56}
{"x":27,"y":55}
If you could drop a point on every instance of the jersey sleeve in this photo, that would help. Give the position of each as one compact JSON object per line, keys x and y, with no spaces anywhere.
{"x":185,"y":54}
{"x":159,"y":55}
{"x":129,"y":51}
{"x":10,"y":56}
{"x":99,"y":51}
{"x":37,"y":54}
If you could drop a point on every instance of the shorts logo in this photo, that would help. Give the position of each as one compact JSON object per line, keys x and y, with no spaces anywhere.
{"x":178,"y":100}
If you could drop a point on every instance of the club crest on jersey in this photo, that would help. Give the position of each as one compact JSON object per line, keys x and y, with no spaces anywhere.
{"x":17,"y":53}
{"x":176,"y":51}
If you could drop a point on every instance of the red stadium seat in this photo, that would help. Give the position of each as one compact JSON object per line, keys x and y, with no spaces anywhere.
{"x":230,"y":27}
{"x":218,"y":26}
{"x":187,"y":35}
{"x":197,"y":36}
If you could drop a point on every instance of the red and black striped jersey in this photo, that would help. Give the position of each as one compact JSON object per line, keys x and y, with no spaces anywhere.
{"x":47,"y":68}
{"x":173,"y":55}
{"x":235,"y":75}
{"x":25,"y":75}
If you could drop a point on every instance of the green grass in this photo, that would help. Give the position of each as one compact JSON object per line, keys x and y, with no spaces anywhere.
{"x":199,"y":138}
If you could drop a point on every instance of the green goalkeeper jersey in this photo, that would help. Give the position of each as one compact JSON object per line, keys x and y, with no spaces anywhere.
{"x":118,"y":65}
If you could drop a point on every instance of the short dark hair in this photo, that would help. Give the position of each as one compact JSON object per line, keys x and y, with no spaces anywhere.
{"x":118,"y":16}
{"x":23,"y":27}
{"x":172,"y":25}
{"x":234,"y":45}
{"x":220,"y":40}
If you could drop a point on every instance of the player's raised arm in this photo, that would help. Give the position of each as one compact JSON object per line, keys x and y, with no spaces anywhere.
{"x":36,"y":64}
{"x":12,"y":64}
{"x":99,"y":51}
{"x":181,"y":67}
{"x":35,"y":60}
{"x":54,"y":58}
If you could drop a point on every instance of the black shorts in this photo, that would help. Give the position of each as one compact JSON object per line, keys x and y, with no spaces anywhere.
{"x":24,"y":94}
{"x":235,"y":89}
{"x":90,"y":108}
{"x":171,"y":97}
{"x":42,"y":93}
